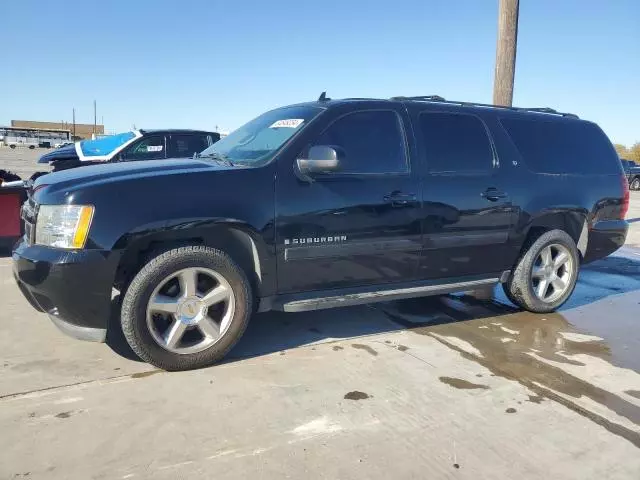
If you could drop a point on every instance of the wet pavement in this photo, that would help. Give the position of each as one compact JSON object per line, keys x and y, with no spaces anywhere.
{"x":459,"y":386}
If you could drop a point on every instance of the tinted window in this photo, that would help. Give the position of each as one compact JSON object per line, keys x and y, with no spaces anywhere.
{"x":149,"y":148}
{"x":562,"y":146}
{"x":186,"y":145}
{"x":455,"y":143}
{"x":367,"y":142}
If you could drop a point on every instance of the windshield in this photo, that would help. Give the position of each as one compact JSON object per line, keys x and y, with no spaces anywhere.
{"x":105,"y":145}
{"x":256,"y":141}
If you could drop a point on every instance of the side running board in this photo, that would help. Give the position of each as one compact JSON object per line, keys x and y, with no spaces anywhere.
{"x":320,"y":303}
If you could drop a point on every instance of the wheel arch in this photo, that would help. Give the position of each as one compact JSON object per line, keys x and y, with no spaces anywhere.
{"x":573,"y":222}
{"x":240,"y":241}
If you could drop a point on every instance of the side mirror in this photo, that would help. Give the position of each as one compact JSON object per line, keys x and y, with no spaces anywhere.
{"x":322,"y":159}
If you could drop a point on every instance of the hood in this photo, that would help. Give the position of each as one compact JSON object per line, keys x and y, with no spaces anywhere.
{"x":68,"y":152}
{"x":76,"y":178}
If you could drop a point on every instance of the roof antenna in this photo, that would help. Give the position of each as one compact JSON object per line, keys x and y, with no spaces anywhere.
{"x":323,"y":97}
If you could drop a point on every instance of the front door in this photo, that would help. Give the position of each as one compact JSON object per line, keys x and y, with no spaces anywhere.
{"x":467,"y":211}
{"x":360,"y":225}
{"x":152,"y":147}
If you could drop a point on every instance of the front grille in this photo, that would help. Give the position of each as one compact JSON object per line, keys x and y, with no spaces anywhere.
{"x":28,"y":215}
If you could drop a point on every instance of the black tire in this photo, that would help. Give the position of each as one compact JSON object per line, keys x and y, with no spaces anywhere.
{"x":133,"y":319}
{"x":12,"y":146}
{"x":31,"y":147}
{"x":635,"y":184}
{"x":519,"y":286}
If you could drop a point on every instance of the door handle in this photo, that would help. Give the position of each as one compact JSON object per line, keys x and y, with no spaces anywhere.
{"x":493,"y":194}
{"x":399,"y":199}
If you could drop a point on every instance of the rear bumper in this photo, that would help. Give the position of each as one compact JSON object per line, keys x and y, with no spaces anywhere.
{"x":605,"y":238}
{"x":74,"y":288}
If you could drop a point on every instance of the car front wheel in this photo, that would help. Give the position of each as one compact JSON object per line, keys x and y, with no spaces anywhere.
{"x":186,"y":308}
{"x":635,"y":184}
{"x":546,"y":273}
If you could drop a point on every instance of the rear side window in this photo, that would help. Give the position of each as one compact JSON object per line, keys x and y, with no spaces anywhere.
{"x":455,"y":143}
{"x":561,"y":146}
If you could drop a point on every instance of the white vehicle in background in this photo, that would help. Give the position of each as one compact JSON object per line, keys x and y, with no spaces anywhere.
{"x":31,"y":138}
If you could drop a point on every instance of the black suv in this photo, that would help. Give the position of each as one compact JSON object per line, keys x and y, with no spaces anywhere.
{"x":632,"y":171}
{"x":319,"y":205}
{"x":131,"y":146}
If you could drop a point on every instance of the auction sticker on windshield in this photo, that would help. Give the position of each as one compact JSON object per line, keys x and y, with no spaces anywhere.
{"x":287,"y":123}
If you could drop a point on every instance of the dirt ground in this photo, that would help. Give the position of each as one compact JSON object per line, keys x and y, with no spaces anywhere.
{"x":451,"y":387}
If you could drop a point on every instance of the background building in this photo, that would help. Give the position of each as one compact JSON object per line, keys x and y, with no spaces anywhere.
{"x":81,"y":130}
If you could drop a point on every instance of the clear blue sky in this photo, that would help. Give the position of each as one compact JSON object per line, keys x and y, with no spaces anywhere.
{"x":202,"y":63}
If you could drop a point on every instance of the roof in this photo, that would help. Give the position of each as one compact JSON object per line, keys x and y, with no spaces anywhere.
{"x":146,"y":131}
{"x":438,"y":100}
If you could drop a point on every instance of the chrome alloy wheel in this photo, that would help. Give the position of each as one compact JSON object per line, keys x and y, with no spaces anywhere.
{"x":552,"y":273}
{"x":190,"y":310}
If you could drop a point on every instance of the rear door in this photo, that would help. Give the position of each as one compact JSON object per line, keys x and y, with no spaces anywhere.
{"x":182,"y":145}
{"x":467,"y":213}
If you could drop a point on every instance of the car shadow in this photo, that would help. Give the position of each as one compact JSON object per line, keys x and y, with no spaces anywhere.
{"x":272,"y":332}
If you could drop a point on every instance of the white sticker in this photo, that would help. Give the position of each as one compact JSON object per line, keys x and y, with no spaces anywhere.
{"x":288,"y":123}
{"x":154,"y":148}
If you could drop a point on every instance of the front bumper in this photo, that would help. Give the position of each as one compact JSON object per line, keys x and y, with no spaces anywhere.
{"x":605,"y":237}
{"x":72,"y":287}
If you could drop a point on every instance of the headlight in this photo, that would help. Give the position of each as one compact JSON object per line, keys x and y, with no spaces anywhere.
{"x":63,"y":226}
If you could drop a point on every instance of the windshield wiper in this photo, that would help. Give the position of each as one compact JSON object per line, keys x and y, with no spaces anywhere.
{"x":219,"y":157}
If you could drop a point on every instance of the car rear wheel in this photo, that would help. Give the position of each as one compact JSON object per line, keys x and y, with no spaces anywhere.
{"x":186,"y":308}
{"x":635,"y":184}
{"x":545,"y":274}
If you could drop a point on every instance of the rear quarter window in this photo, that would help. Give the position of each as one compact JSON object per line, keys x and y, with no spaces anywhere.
{"x":562,"y":146}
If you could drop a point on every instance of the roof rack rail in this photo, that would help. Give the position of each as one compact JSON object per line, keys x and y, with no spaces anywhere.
{"x":439,"y":99}
{"x":429,"y":98}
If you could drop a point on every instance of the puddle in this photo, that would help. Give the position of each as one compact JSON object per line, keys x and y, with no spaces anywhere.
{"x":476,"y":329}
{"x":146,"y":374}
{"x":356,"y":395}
{"x":633,"y":393}
{"x":462,"y":384}
{"x":366,"y":348}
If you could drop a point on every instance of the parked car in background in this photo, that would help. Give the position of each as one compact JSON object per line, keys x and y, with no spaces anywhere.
{"x":632,"y":171}
{"x":318,"y":205}
{"x":130,"y":146}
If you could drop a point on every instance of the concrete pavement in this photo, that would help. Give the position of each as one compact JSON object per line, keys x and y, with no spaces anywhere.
{"x":447,"y":387}
{"x":459,"y":387}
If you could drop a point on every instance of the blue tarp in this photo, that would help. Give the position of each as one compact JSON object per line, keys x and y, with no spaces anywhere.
{"x":103,"y":147}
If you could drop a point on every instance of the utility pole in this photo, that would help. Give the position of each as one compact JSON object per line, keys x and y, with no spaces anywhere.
{"x":74,"y":122}
{"x":506,"y":52}
{"x":95,"y":119}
